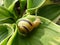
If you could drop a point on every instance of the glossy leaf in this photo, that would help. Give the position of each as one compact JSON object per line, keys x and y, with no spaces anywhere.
{"x":48,"y":2}
{"x":47,"y":33}
{"x":23,"y":6}
{"x":33,"y":4}
{"x":7,"y":3}
{"x":5,"y":32}
{"x":13,"y":36}
{"x":49,"y":11}
{"x":6,"y":15}
{"x":10,"y":5}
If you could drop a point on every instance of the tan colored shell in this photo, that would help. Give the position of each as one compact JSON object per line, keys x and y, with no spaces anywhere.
{"x":36,"y":22}
{"x":26,"y":25}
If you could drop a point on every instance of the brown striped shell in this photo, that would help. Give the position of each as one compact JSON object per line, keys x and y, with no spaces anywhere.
{"x":26,"y":26}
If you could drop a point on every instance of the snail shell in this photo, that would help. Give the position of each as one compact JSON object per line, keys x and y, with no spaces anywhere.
{"x":26,"y":26}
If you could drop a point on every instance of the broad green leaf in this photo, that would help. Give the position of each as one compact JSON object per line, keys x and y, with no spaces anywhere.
{"x":14,"y":8}
{"x":7,"y":3}
{"x":10,"y":4}
{"x":33,"y":4}
{"x":18,"y":7}
{"x":12,"y":37}
{"x":5,"y":32}
{"x":23,"y":6}
{"x":47,"y":33}
{"x":48,"y":2}
{"x":6,"y":15}
{"x":49,"y":11}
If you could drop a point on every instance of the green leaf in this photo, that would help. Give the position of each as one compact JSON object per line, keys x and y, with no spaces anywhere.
{"x":12,"y":37}
{"x":13,"y":7}
{"x":33,"y":5}
{"x":7,"y":3}
{"x":47,"y":33}
{"x":6,"y":31}
{"x":49,"y":11}
{"x":10,"y":4}
{"x":23,"y":6}
{"x":48,"y":2}
{"x":6,"y":15}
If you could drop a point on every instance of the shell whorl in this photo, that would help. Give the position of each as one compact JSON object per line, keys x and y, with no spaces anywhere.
{"x":27,"y":26}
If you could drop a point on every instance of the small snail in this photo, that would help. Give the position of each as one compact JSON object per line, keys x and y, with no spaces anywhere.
{"x":26,"y":26}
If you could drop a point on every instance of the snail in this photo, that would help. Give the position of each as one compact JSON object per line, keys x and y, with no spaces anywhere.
{"x":26,"y":26}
